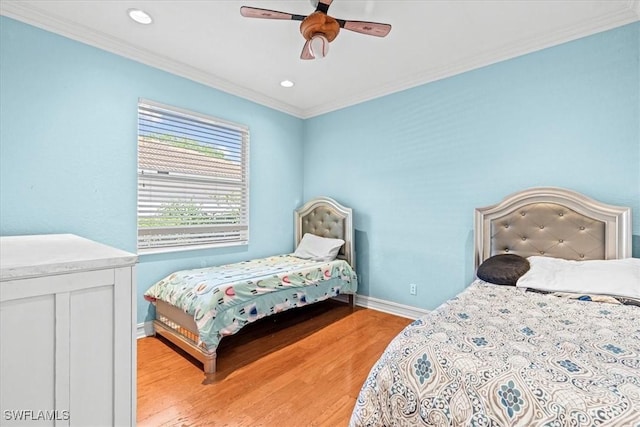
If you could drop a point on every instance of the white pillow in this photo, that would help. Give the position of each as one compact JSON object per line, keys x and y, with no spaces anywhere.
{"x":620,"y":277}
{"x":318,"y":248}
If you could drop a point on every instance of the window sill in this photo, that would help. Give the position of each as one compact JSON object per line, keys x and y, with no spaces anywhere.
{"x":157,"y":251}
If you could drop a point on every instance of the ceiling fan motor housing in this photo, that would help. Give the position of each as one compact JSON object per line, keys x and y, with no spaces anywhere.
{"x":319,"y":23}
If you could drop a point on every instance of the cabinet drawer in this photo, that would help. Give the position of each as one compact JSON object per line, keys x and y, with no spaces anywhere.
{"x":37,"y":286}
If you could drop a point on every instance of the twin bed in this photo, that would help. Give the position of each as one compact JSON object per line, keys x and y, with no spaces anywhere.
{"x":504,"y":355}
{"x":196,"y":308}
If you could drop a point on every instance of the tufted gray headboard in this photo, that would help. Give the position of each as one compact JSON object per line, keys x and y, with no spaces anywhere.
{"x":325,"y":217}
{"x":553,"y":222}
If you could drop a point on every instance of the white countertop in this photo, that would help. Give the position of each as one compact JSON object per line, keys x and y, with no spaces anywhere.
{"x":40,"y":255}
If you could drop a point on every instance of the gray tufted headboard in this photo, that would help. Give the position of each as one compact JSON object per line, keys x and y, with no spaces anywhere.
{"x":553,"y":222}
{"x":325,"y":217}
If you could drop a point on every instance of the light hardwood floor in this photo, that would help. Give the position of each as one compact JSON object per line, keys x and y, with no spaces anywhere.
{"x":300,"y":368}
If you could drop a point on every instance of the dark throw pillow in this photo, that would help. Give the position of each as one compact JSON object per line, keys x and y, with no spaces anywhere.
{"x":504,"y":269}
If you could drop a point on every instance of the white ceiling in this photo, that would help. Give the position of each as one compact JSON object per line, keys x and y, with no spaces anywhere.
{"x":209,"y":42}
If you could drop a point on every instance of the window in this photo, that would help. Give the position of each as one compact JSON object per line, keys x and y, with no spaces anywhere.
{"x":193,"y":183}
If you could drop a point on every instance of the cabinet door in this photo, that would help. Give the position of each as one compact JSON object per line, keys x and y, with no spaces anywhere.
{"x":27,"y":359}
{"x":91,"y":355}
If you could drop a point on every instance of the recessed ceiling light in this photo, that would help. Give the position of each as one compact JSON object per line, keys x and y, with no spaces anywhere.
{"x":140,"y":16}
{"x":286,"y":83}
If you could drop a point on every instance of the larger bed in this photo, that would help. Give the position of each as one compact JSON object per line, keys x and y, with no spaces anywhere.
{"x":509,"y":356}
{"x":196,"y":308}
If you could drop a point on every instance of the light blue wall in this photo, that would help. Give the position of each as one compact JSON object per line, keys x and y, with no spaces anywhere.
{"x":68,"y":149}
{"x":415,"y":164}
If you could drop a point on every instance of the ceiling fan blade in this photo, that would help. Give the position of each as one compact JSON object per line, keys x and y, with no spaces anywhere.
{"x":369,"y":28}
{"x":255,"y":12}
{"x":307,"y":53}
{"x":323,"y":6}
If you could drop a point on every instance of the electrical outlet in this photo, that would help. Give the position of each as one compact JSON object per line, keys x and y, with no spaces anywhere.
{"x":413,"y":289}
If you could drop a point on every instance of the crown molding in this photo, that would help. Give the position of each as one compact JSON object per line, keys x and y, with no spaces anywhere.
{"x":89,"y":36}
{"x":508,"y":51}
{"x":25,"y":13}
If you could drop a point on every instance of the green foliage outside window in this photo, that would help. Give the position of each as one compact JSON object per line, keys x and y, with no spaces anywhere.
{"x":187,"y":144}
{"x":185,"y":213}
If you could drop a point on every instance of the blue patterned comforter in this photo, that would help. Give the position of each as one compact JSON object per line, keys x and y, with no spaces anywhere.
{"x":501,"y":356}
{"x":224,"y":298}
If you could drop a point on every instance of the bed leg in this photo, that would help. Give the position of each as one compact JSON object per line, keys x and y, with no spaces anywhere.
{"x":209,"y":368}
{"x":352,"y":300}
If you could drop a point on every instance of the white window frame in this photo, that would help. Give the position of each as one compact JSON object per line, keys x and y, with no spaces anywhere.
{"x":193,"y":180}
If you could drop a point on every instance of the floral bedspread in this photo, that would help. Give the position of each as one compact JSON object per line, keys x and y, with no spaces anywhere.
{"x":222,"y":299}
{"x":501,"y":356}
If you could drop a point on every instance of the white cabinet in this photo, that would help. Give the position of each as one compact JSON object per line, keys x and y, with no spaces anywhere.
{"x":67,"y":323}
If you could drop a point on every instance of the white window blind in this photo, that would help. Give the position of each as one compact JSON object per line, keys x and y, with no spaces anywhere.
{"x":193,"y":180}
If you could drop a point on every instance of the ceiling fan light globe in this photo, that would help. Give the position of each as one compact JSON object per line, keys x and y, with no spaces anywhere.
{"x":319,"y":46}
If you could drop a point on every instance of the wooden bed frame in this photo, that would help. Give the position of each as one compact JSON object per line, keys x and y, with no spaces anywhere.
{"x":321,"y":216}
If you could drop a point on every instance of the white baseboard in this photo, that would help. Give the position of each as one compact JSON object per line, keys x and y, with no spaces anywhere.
{"x":390,"y":307}
{"x":386,"y":306}
{"x":146,"y":329}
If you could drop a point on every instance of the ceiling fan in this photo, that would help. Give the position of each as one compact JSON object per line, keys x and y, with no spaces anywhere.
{"x":319,"y":29}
